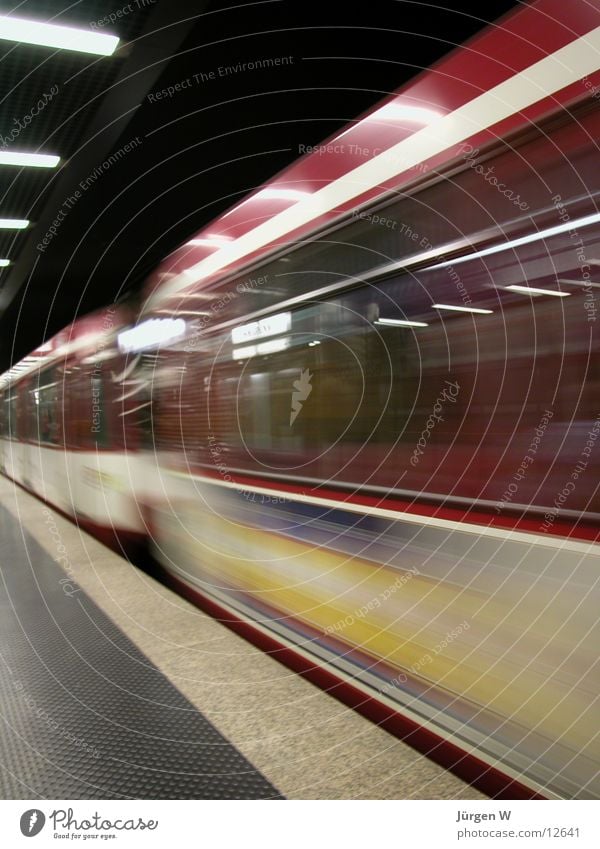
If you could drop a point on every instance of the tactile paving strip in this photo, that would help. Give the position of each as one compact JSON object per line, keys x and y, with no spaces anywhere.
{"x":83,"y":713}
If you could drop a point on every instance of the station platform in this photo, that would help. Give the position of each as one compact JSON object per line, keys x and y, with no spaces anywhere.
{"x":114,"y":687}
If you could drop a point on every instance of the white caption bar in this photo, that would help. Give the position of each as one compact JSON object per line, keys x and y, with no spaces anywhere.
{"x":296,"y":825}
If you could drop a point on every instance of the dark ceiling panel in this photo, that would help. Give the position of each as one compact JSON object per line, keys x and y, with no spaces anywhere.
{"x":47,"y":97}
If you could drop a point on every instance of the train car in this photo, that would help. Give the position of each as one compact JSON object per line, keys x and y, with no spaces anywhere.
{"x":378,"y":432}
{"x":71,"y":428}
{"x":373,"y":396}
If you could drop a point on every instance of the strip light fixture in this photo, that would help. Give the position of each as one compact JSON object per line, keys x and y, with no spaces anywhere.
{"x":27,"y":31}
{"x":29,"y":160}
{"x":209,"y":241}
{"x":462,"y":309}
{"x":4,"y":263}
{"x":538,"y":236}
{"x":532,"y":290}
{"x":397,"y":322}
{"x":13,"y":223}
{"x":151,"y":334}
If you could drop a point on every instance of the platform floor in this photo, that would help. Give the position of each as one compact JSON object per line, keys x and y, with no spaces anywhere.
{"x":112,"y":686}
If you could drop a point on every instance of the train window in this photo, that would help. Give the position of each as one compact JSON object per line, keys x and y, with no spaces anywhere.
{"x":5,"y":416}
{"x":455,"y":210}
{"x":12,"y":414}
{"x":46,"y":402}
{"x":85,"y":410}
{"x":446,"y":404}
{"x":80,"y":412}
{"x":34,"y":404}
{"x":98,"y":424}
{"x":297,"y":400}
{"x":24,"y":413}
{"x":9,"y":415}
{"x":448,"y":407}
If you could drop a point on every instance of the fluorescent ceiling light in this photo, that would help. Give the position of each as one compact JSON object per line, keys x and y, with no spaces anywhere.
{"x":397,"y":322}
{"x":461,"y":309}
{"x":531,"y":290}
{"x":198,"y":243}
{"x":398,"y":111}
{"x":280,"y":194}
{"x":210,"y":241}
{"x":30,"y":160}
{"x":200,"y":296}
{"x":313,"y":343}
{"x":395,"y":111}
{"x":13,"y":223}
{"x":4,"y":263}
{"x":270,"y":194}
{"x":151,"y":334}
{"x":177,"y":311}
{"x":27,"y":31}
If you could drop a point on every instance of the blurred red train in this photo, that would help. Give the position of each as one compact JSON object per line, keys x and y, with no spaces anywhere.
{"x":358,"y":415}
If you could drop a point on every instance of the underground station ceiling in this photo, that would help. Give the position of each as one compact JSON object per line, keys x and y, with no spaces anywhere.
{"x":172,"y":127}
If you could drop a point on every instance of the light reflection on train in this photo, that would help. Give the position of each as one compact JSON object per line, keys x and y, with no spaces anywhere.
{"x":374,"y":447}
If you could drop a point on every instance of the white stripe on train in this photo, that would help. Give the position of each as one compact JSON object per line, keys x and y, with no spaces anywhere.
{"x":570,"y":63}
{"x":530,"y":538}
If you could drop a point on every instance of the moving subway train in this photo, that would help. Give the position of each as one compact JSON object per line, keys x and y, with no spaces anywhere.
{"x":358,"y":416}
